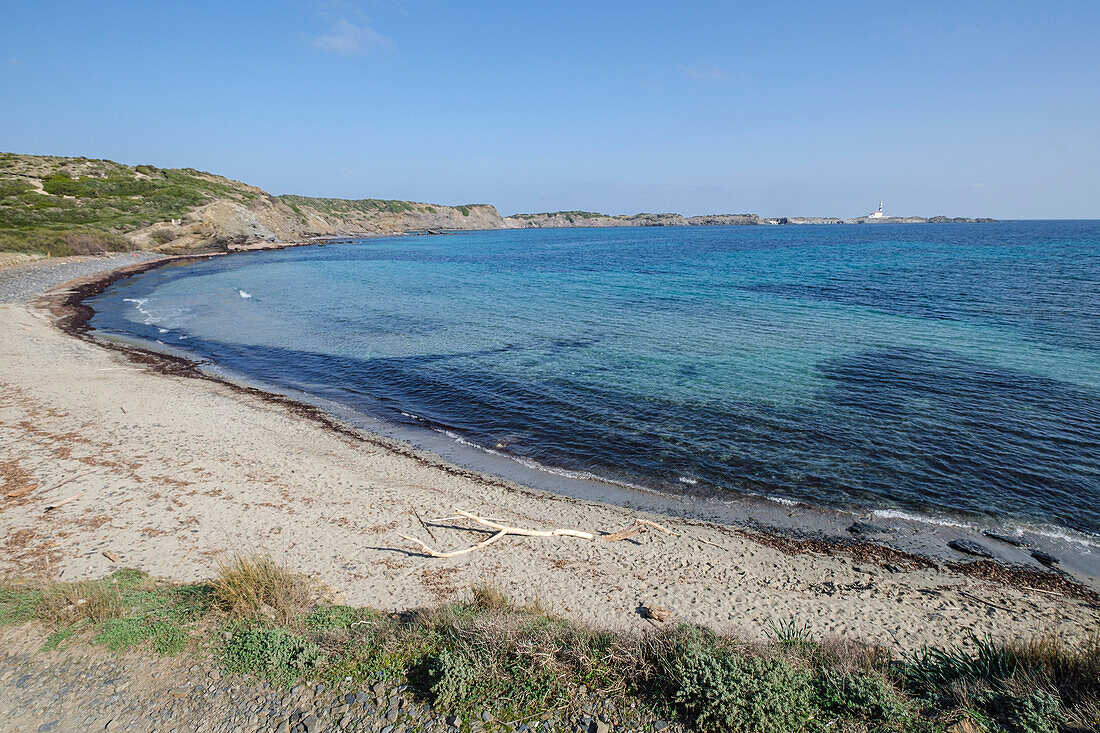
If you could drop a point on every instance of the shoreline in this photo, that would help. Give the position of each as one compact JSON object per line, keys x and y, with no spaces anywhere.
{"x":904,"y":533}
{"x":814,"y":565}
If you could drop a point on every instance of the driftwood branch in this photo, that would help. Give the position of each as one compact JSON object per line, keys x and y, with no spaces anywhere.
{"x":455,"y":553}
{"x":63,"y":502}
{"x":502,"y":530}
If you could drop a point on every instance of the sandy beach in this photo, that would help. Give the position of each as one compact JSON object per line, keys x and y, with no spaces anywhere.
{"x":168,"y":472}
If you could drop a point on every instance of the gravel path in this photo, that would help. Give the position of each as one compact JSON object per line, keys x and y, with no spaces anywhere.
{"x":21,"y":283}
{"x":85,"y":688}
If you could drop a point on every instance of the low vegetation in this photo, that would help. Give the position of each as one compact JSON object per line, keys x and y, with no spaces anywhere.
{"x":63,"y":206}
{"x":257,"y":617}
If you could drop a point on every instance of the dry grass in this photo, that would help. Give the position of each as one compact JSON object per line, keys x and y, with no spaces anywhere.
{"x":67,"y":603}
{"x":489,"y":598}
{"x":1073,"y":672}
{"x":249,"y":585}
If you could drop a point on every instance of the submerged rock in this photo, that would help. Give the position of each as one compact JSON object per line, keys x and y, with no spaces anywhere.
{"x":969,"y":547}
{"x":1045,"y":558}
{"x":868,"y":528}
{"x":1014,"y":541}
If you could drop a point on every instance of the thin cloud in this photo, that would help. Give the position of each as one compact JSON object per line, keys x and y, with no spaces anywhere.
{"x":703,"y":73}
{"x":13,"y":62}
{"x":349,"y":39}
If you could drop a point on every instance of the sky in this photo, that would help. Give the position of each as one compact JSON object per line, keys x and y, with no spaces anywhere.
{"x":816,"y":107}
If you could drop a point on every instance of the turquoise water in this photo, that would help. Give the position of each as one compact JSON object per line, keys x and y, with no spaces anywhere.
{"x":941,"y":369}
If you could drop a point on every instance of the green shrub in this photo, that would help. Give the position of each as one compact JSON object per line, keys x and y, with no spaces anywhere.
{"x":453,"y":680}
{"x":328,"y":617}
{"x":61,"y":185}
{"x":60,"y":244}
{"x":718,"y":690}
{"x":860,"y":697}
{"x":1036,"y":712}
{"x":13,"y":188}
{"x":276,"y":654}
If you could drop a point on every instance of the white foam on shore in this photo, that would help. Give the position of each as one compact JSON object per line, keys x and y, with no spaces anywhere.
{"x":782,"y":500}
{"x":922,"y":518}
{"x":1058,"y":533}
{"x":1015,"y":529}
{"x":689,"y":481}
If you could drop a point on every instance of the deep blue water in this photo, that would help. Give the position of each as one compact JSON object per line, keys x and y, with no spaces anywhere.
{"x":940,"y":369}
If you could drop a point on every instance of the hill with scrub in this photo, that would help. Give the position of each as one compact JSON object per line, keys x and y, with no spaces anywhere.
{"x":62,"y":206}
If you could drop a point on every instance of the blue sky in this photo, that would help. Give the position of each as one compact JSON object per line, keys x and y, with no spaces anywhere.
{"x":815,"y":108}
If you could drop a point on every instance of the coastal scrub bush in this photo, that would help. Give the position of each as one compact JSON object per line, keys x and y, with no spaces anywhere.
{"x":63,"y":243}
{"x":718,"y":689}
{"x":1073,"y":671}
{"x":863,"y":697}
{"x":488,"y":653}
{"x":273,"y":653}
{"x":516,"y":659}
{"x":163,"y":235}
{"x":453,"y":680}
{"x":13,"y":188}
{"x":1029,"y":712}
{"x":329,"y":617}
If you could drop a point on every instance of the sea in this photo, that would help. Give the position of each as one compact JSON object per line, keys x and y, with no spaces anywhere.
{"x":943,"y":372}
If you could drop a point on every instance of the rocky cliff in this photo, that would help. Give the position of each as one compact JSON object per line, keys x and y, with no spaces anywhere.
{"x":78,"y":205}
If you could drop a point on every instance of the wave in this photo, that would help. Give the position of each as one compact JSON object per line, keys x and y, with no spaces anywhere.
{"x":139,"y":306}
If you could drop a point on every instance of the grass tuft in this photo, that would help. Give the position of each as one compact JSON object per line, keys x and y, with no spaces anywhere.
{"x":489,"y":598}
{"x":88,"y":600}
{"x":251,"y":585}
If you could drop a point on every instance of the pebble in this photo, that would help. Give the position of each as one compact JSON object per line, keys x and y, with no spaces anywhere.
{"x":867,"y":528}
{"x":24,"y":283}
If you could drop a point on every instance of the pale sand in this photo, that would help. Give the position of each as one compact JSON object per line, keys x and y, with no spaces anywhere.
{"x":173,"y":471}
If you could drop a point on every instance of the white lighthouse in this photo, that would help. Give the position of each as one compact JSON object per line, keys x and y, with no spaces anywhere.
{"x":877,"y":213}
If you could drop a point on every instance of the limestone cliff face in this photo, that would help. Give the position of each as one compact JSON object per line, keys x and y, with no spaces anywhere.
{"x":269,"y":220}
